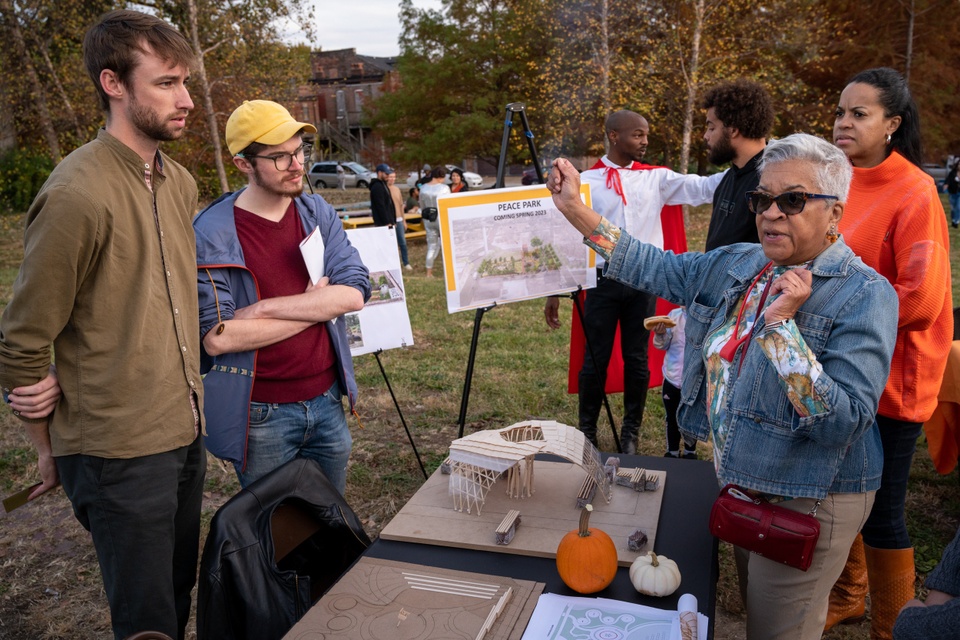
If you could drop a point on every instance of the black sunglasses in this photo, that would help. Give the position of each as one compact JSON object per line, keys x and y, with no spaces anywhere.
{"x":790,"y":203}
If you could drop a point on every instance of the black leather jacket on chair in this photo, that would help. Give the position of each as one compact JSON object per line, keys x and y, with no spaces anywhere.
{"x":272,"y":551}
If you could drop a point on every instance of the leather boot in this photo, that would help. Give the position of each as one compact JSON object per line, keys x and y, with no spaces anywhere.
{"x":628,"y":439}
{"x":892,"y":576}
{"x":849,"y":594}
{"x":591,"y":402}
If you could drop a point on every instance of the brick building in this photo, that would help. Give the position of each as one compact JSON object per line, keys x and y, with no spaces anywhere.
{"x":341,"y":83}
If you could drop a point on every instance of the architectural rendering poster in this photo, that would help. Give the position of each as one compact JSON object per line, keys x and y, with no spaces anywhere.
{"x":383,"y":323}
{"x":505,"y":245}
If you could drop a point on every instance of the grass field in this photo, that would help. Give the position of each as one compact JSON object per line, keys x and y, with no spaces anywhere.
{"x":49,"y":580}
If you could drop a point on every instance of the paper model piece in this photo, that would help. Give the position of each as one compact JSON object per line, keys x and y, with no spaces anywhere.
{"x":637,"y":540}
{"x":638,"y":480}
{"x":610,"y":467}
{"x":380,"y":599}
{"x":587,"y":491}
{"x":445,"y":467}
{"x":480,"y":458}
{"x":508,"y":527}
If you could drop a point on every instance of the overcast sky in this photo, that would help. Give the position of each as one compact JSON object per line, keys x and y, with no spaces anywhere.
{"x":372,"y":27}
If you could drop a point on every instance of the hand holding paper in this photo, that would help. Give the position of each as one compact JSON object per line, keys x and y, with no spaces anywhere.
{"x":312,"y":249}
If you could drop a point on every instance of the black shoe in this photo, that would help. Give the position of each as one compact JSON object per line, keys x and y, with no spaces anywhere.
{"x":955,"y":224}
{"x":671,"y":455}
{"x":689,"y":455}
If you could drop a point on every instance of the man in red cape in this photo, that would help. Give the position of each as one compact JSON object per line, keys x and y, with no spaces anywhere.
{"x":632,"y":196}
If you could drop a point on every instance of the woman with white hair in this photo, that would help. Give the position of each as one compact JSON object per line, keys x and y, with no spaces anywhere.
{"x":788,"y":348}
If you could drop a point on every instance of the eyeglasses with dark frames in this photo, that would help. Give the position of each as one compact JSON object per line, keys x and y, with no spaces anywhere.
{"x":283,"y":161}
{"x":791,"y":203}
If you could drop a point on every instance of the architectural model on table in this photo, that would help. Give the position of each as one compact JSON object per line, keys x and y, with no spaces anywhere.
{"x":479,"y":459}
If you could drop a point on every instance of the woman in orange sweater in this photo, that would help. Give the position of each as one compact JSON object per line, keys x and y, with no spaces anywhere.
{"x":895,"y":222}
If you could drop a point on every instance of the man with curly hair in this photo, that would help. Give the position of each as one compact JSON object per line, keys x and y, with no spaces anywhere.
{"x":739,"y":118}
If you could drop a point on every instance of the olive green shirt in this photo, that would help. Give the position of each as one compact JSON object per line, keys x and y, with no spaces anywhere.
{"x":108,"y":280}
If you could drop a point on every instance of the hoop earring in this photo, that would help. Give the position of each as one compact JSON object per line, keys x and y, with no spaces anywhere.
{"x":832,"y":235}
{"x":888,"y":138}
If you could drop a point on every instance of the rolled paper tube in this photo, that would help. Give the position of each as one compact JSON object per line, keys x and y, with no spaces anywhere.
{"x":687,"y":606}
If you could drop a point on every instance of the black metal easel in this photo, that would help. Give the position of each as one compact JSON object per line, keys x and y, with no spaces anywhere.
{"x":468,"y":378}
{"x":396,"y":404}
{"x":513,"y":109}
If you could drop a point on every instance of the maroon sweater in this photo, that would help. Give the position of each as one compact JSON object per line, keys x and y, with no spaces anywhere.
{"x":300,"y":367}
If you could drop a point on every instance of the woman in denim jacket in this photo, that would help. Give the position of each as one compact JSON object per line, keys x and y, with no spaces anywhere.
{"x":788,"y":349}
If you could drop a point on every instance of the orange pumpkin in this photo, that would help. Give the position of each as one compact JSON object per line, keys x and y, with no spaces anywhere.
{"x":587,"y":558}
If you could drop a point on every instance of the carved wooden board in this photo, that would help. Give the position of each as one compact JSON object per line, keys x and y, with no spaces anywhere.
{"x":382,"y":599}
{"x":429,"y":517}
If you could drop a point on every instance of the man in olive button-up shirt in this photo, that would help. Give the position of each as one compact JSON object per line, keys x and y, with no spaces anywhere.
{"x":108,"y":283}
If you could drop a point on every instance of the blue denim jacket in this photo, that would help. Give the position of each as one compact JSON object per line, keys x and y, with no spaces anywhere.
{"x":850,"y":324}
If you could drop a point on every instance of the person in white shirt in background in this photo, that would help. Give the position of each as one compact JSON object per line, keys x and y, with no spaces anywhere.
{"x":631,"y":196}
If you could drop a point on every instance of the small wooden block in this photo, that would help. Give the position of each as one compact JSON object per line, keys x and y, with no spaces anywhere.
{"x":508,"y":527}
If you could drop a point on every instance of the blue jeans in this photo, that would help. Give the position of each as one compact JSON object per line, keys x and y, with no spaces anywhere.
{"x":315,"y":429}
{"x":954,"y":208}
{"x":886,"y":528}
{"x":401,"y":229}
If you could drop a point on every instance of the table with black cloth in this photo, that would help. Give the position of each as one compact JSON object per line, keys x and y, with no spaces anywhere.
{"x":683,"y":535}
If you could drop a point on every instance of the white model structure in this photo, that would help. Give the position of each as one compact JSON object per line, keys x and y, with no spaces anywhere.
{"x":479,"y":459}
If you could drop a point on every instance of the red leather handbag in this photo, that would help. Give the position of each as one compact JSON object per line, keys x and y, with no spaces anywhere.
{"x":766,"y":529}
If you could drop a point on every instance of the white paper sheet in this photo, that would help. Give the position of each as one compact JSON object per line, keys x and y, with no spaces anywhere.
{"x":384,"y":323}
{"x":563,"y":617}
{"x":311,"y":248}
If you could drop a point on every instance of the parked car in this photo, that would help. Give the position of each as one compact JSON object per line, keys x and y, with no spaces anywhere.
{"x":323,"y":175}
{"x":530,"y":176}
{"x":938,"y":172}
{"x":473,"y":180}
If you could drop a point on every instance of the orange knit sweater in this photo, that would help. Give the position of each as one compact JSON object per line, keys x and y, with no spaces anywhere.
{"x":894,"y":221}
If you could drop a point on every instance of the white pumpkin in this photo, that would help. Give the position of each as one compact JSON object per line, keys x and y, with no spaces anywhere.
{"x":654,"y":575}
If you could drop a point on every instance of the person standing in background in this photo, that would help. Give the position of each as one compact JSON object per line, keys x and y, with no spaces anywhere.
{"x":739,"y":119}
{"x":457,"y":183}
{"x":381,"y":202}
{"x":401,"y":227}
{"x":953,"y":192}
{"x":429,"y":192}
{"x":631,"y":195}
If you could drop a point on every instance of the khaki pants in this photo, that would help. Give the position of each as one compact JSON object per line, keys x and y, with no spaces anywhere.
{"x":784,"y":603}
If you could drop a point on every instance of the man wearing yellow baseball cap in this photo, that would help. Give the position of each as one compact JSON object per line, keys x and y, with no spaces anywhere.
{"x":277,"y":361}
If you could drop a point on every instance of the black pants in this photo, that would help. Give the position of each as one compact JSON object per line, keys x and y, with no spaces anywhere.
{"x":886,"y":528}
{"x":144,"y":517}
{"x":608,"y":303}
{"x":671,"y":403}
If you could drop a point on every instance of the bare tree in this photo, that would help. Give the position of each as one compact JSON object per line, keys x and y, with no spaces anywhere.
{"x":691,"y":77}
{"x":12,"y":19}
{"x":205,"y":95}
{"x":912,"y":14}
